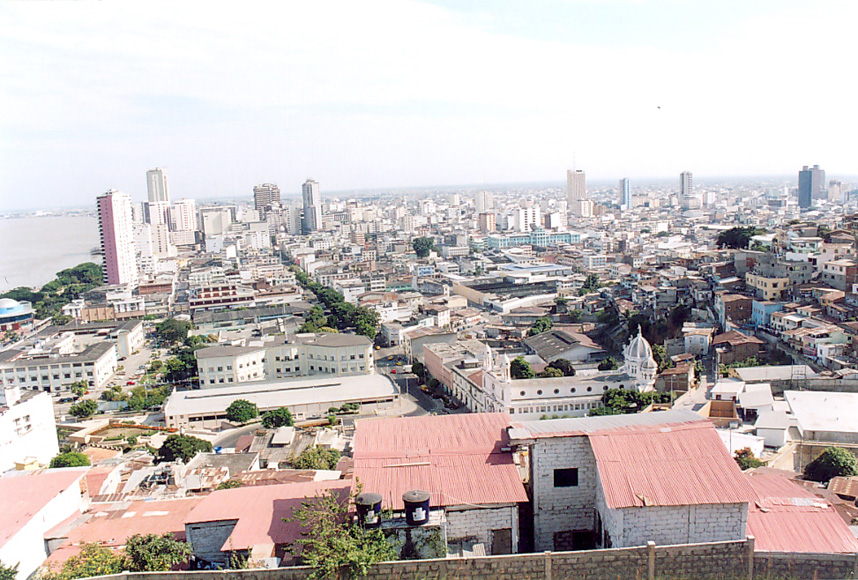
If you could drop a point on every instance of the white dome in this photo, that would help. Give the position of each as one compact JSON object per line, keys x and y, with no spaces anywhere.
{"x":639,"y":348}
{"x":650,"y":364}
{"x":8,"y":303}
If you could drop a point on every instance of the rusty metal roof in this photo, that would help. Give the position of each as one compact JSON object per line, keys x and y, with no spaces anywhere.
{"x":785,"y":517}
{"x":458,"y":459}
{"x":667,"y":465}
{"x":845,"y":486}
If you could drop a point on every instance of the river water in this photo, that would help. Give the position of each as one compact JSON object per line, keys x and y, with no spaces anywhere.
{"x":33,"y":249}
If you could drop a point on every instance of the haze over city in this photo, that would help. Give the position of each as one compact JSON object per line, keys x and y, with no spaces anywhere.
{"x":409,"y":94}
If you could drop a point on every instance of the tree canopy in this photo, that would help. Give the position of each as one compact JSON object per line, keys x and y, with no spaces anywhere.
{"x":316,"y":458}
{"x":71,"y":459}
{"x":564,"y":366}
{"x":92,"y":560}
{"x":520,"y":369}
{"x":183,"y":447}
{"x":625,"y":401}
{"x":540,"y":325}
{"x":422,"y":246}
{"x":8,"y":572}
{"x":172,"y":330}
{"x":280,"y":417}
{"x":608,"y":364}
{"x":241,"y":411}
{"x":153,"y":553}
{"x":738,"y":237}
{"x":833,"y":462}
{"x":84,"y":409}
{"x":68,"y":285}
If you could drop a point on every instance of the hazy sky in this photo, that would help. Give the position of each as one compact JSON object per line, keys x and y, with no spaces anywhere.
{"x":373,"y":94}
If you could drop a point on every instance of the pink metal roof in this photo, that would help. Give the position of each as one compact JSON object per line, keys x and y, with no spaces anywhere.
{"x":788,"y":518}
{"x":456,"y":458}
{"x":667,"y":465}
{"x":260,"y":511}
{"x":24,"y":496}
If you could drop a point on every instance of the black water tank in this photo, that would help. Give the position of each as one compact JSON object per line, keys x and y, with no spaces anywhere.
{"x":416,"y":507}
{"x":368,"y":509}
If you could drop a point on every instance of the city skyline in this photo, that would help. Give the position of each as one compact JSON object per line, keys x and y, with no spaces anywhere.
{"x":341,"y":106}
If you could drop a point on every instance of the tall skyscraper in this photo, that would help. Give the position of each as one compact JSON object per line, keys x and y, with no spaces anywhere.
{"x":484,"y":202}
{"x":312,"y":197}
{"x":156,"y":183}
{"x":115,"y":225}
{"x":576,"y":186}
{"x":487,"y":223}
{"x":811,"y":185}
{"x":625,"y":193}
{"x":685,"y":184}
{"x":156,"y":212}
{"x":265,"y":196}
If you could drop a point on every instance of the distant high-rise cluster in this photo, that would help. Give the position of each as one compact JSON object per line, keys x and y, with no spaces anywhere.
{"x":312,"y":198}
{"x":265,"y":197}
{"x":811,"y":185}
{"x":156,"y":184}
{"x":115,"y":226}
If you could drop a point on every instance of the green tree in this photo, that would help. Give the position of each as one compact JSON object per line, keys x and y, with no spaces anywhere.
{"x":418,"y":369}
{"x":540,"y":325}
{"x":8,"y":572}
{"x":92,"y":560}
{"x":563,"y":366}
{"x":833,"y":462}
{"x":738,"y":237}
{"x":332,"y":542}
{"x":84,"y":409}
{"x":591,"y":283}
{"x":131,"y":440}
{"x":79,"y":388}
{"x":317,"y":458}
{"x":659,"y":353}
{"x":550,"y":373}
{"x":241,"y":411}
{"x":608,"y":364}
{"x":366,"y":321}
{"x":520,"y":369}
{"x":183,"y":447}
{"x":61,"y":319}
{"x":70,"y":459}
{"x":422,"y":246}
{"x":746,"y":460}
{"x":575,"y":315}
{"x":172,"y":330}
{"x":280,"y":417}
{"x":153,"y":553}
{"x":230,"y":484}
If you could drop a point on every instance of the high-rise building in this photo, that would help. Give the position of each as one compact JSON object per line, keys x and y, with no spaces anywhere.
{"x":483,"y":202}
{"x":156,"y":183}
{"x":487,"y":223}
{"x":625,"y":193}
{"x":685,"y":184}
{"x":312,"y":197}
{"x":115,"y":225}
{"x":265,"y":196}
{"x":811,"y":185}
{"x":576,"y":187}
{"x":184,"y":214}
{"x":156,"y":212}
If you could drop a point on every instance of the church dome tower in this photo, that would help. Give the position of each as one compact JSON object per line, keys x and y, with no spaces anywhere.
{"x":639,"y":362}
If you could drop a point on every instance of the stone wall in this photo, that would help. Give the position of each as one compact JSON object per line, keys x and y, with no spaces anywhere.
{"x":562,"y":509}
{"x":711,"y":561}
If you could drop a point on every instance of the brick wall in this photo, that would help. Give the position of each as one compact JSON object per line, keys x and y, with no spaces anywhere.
{"x":711,"y":561}
{"x":562,"y":509}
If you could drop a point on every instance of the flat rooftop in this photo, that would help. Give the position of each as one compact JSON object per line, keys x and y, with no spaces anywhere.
{"x":824,"y":410}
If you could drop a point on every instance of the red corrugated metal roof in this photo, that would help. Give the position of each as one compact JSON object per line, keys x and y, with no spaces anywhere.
{"x":788,"y":518}
{"x":665,"y":465}
{"x":456,"y":458}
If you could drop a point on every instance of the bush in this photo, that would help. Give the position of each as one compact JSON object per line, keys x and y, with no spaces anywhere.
{"x":609,"y":364}
{"x":317,"y":458}
{"x":153,"y":553}
{"x":241,"y":411}
{"x":563,"y":366}
{"x":281,"y":417}
{"x":71,"y":459}
{"x":520,"y":369}
{"x":834,"y":462}
{"x":746,"y":460}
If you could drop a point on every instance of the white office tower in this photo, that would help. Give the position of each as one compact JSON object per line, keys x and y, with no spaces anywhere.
{"x":455,"y":200}
{"x":427,"y":207}
{"x":625,"y":194}
{"x":312,"y":198}
{"x":484,"y":202}
{"x":686,"y":183}
{"x":576,"y":186}
{"x":184,"y":214}
{"x":156,"y":183}
{"x":115,"y":226}
{"x":524,"y":219}
{"x":138,"y":212}
{"x":147,"y":262}
{"x":215,"y":220}
{"x":157,"y":213}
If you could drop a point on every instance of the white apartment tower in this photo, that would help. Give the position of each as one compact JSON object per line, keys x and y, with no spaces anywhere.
{"x":312,"y":197}
{"x":625,"y":193}
{"x":576,"y":186}
{"x":156,"y":183}
{"x":685,"y":183}
{"x":115,"y":225}
{"x":184,"y":215}
{"x":483,"y":202}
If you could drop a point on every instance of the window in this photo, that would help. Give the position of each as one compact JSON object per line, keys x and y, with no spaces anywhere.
{"x":556,"y":391}
{"x":539,"y":392}
{"x":572,"y":390}
{"x":522,"y":393}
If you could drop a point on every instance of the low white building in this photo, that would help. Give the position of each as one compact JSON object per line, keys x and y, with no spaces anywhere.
{"x":27,"y":427}
{"x":623,"y":480}
{"x":54,"y":371}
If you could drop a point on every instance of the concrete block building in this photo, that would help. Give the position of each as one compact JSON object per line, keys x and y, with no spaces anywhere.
{"x":620,"y":481}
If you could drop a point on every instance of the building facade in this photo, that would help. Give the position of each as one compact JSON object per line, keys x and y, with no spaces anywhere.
{"x":115,"y":226}
{"x":156,"y":185}
{"x":312,"y":198}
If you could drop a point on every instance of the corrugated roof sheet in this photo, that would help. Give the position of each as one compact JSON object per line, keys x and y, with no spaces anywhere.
{"x":788,"y":518}
{"x":456,"y":458}
{"x":667,"y":465}
{"x":845,"y":486}
{"x":584,"y":425}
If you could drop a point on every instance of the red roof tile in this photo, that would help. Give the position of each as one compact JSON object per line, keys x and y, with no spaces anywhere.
{"x":260,"y":511}
{"x":665,"y":465}
{"x":456,"y":458}
{"x":788,"y":518}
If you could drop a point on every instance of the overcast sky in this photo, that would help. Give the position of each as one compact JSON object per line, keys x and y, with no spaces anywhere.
{"x":376,"y":94}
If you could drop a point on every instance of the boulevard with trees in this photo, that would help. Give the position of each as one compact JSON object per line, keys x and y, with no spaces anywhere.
{"x":342,"y":315}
